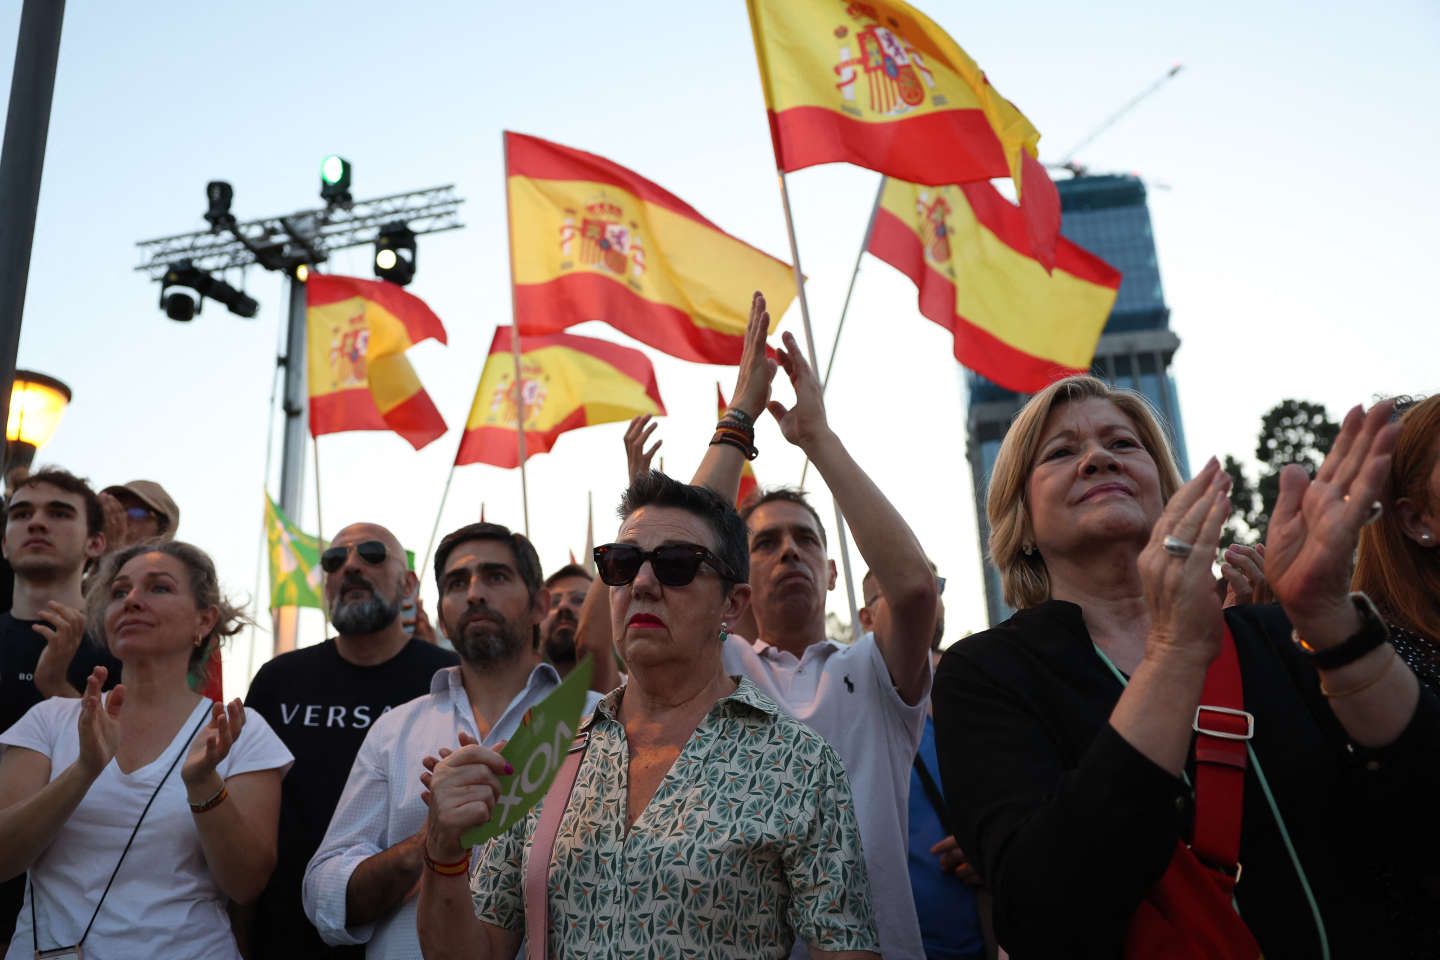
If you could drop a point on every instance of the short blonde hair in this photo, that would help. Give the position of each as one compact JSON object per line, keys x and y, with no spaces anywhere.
{"x":1024,"y":578}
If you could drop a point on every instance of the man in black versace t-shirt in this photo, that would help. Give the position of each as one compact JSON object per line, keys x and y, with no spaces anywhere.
{"x":321,"y":700}
{"x":53,"y":524}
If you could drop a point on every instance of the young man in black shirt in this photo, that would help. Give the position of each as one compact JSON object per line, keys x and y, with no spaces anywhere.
{"x":52,"y":532}
{"x":321,"y":700}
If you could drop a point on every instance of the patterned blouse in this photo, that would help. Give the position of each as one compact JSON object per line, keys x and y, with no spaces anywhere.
{"x":749,"y":842}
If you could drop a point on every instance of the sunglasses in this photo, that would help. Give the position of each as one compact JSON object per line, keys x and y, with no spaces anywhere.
{"x":675,"y":564}
{"x":372,"y":552}
{"x":140,"y":513}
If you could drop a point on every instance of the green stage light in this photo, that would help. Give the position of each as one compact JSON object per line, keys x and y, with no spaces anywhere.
{"x":335,"y":173}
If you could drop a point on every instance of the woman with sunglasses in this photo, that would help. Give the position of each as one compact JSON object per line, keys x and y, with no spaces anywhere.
{"x":703,"y":821}
{"x":140,"y":814}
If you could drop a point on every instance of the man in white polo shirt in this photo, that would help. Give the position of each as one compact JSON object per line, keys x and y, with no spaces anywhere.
{"x":868,"y":698}
{"x":360,"y":885}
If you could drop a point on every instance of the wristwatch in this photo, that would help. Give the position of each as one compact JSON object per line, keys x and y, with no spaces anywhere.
{"x":1372,"y":633}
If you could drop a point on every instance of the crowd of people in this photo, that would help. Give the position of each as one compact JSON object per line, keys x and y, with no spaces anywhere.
{"x":1144,"y":761}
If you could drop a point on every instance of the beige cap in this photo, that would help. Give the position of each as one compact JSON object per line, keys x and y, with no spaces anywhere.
{"x":153,"y":496}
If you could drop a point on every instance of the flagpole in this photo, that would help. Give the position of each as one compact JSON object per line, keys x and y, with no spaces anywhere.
{"x":264,"y":527}
{"x":845,"y":310}
{"x":589,"y":558}
{"x":320,"y":536}
{"x":515,"y":345}
{"x":815,"y":365}
{"x":434,"y":530}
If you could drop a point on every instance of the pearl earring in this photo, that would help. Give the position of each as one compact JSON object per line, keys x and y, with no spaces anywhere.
{"x":1028,"y":548}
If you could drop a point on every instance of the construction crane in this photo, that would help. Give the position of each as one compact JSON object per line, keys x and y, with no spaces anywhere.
{"x":1078,"y":169}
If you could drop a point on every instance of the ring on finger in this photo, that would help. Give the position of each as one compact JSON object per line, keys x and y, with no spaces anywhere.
{"x":1376,"y":508}
{"x":1176,"y":547}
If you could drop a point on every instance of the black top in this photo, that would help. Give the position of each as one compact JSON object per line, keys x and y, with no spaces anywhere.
{"x":20,"y":648}
{"x":321,"y":705}
{"x":1072,"y":826}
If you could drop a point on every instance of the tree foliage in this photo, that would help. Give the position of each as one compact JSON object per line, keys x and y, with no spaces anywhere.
{"x":1293,"y":431}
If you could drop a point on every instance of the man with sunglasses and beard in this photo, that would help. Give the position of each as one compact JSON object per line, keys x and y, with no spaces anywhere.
{"x":322,"y":701}
{"x":358,"y":886}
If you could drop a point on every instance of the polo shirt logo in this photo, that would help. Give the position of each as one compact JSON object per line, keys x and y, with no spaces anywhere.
{"x":850,"y":687}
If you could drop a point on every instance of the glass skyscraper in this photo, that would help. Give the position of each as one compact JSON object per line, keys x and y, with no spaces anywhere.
{"x":1108,"y":216}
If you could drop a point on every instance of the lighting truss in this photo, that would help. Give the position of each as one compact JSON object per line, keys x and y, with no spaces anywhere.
{"x":304,"y":237}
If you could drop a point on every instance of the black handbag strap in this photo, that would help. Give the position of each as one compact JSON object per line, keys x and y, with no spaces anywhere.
{"x":932,"y":793}
{"x":34,"y":927}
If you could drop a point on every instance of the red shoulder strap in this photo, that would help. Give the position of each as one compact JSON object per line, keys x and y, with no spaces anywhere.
{"x":1222,"y":729}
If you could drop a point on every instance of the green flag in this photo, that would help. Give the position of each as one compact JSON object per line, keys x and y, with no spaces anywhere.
{"x":295,"y":575}
{"x":536,"y":752}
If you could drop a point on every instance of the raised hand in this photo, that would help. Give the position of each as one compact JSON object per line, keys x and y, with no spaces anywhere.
{"x":1180,"y":590}
{"x":99,"y":723}
{"x":463,"y":786}
{"x":757,"y":368}
{"x":805,"y":422}
{"x":62,"y":627}
{"x":113,"y":523}
{"x":1315,"y":526}
{"x":1243,"y":570}
{"x":637,"y":458}
{"x":212,"y":745}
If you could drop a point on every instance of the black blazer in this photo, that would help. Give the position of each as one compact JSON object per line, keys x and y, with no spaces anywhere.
{"x":1072,"y":826}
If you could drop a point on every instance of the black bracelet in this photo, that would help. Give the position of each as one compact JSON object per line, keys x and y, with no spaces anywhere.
{"x":725,"y":423}
{"x":1372,"y":633}
{"x":749,"y":451}
{"x":735,"y":413}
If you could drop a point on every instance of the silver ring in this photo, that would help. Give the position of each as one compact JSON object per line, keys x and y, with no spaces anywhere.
{"x":1376,"y":508}
{"x":1177,"y":547}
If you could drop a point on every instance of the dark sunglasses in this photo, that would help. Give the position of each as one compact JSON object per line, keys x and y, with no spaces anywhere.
{"x":372,"y":552}
{"x":675,"y":564}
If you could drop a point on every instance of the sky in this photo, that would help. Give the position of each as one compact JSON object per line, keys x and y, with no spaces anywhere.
{"x":1292,"y":192}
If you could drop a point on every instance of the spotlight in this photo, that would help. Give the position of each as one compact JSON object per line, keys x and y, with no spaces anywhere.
{"x":218,"y":194}
{"x":395,"y":254}
{"x":335,"y":181}
{"x":302,"y":272}
{"x":184,"y":288}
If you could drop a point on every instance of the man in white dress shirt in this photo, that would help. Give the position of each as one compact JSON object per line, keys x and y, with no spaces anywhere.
{"x":360,"y":885}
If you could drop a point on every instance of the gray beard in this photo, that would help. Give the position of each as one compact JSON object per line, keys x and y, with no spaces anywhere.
{"x":370,"y":615}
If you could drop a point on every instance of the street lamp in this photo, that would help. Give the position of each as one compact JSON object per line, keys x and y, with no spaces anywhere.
{"x":36,"y":403}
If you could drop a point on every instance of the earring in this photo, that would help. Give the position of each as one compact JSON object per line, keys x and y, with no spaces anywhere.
{"x":200,"y":640}
{"x":1426,"y":537}
{"x":1028,"y":548}
{"x":724,"y":630}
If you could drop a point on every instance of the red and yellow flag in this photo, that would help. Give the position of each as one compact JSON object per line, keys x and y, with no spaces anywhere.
{"x":358,"y":333}
{"x":1013,"y":322}
{"x":880,"y":85}
{"x":567,"y":382}
{"x":748,"y":484}
{"x":591,"y":240}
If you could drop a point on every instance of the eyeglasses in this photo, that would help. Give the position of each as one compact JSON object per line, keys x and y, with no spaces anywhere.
{"x":372,"y":552}
{"x":140,"y":513}
{"x":675,"y":564}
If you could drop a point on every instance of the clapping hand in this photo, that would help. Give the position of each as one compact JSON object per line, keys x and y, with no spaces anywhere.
{"x":461,"y":787}
{"x":804,"y":423}
{"x":99,"y":723}
{"x":1315,"y":526}
{"x":1243,"y":571}
{"x":637,"y":458}
{"x":1175,"y":570}
{"x":62,"y":627}
{"x":211,"y":746}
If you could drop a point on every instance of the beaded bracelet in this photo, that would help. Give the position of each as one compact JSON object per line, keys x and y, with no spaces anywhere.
{"x":212,"y":803}
{"x":449,"y":869}
{"x":740,"y":416}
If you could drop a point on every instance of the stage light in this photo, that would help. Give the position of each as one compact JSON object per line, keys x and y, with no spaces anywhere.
{"x":335,"y":175}
{"x":219,"y":194}
{"x":395,"y":254}
{"x":184,"y":288}
{"x":302,"y":272}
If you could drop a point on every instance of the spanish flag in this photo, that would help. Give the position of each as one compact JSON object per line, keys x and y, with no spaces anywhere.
{"x":748,"y":484}
{"x":1013,"y":322}
{"x":358,"y":333}
{"x":591,"y":240}
{"x":880,"y":85}
{"x":567,"y":382}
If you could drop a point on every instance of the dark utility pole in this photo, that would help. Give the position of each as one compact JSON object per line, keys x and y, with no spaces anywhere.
{"x":32,"y":87}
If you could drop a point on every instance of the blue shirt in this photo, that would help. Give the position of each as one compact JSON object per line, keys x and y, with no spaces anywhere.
{"x":949,"y":919}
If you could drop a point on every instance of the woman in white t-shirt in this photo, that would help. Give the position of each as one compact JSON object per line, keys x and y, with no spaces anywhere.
{"x":138,"y":815}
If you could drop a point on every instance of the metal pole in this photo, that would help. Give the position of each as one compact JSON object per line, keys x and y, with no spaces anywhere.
{"x":845,"y":309}
{"x":515,"y":346}
{"x":815,"y":365}
{"x":32,"y":89}
{"x":292,"y":452}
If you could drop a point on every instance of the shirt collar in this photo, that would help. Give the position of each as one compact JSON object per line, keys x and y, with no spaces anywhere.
{"x":745,"y":694}
{"x":822,"y":648}
{"x":449,"y":680}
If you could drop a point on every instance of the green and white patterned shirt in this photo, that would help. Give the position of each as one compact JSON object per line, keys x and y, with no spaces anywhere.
{"x":749,"y":842}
